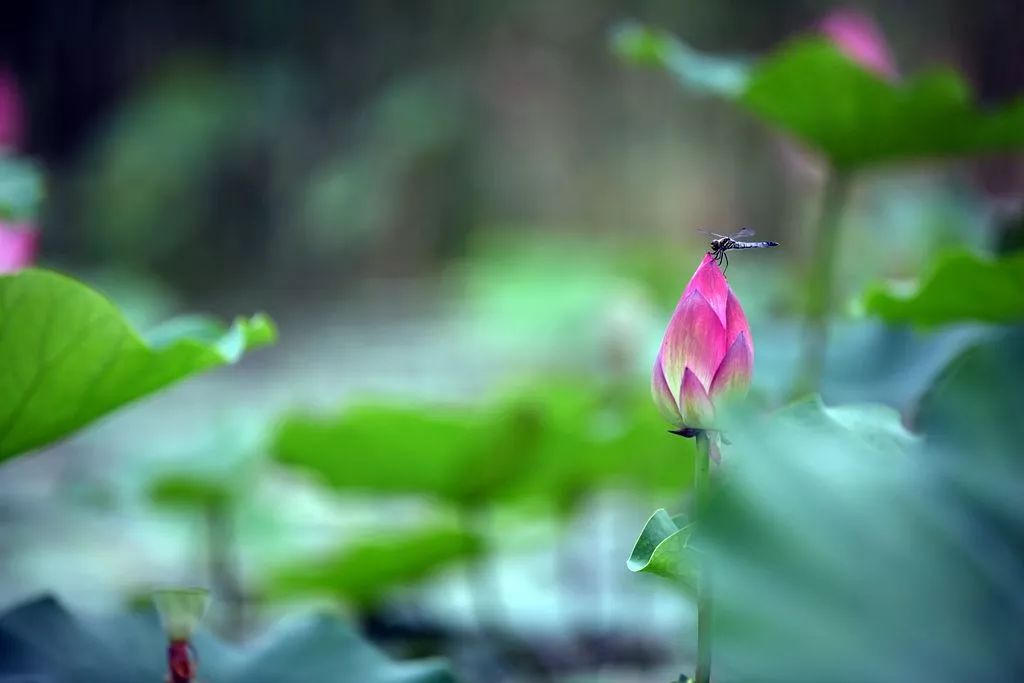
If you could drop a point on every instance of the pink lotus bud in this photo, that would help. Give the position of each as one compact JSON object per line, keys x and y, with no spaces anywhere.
{"x":12,"y":115}
{"x":17,"y":246}
{"x":707,"y":351}
{"x":858,"y":36}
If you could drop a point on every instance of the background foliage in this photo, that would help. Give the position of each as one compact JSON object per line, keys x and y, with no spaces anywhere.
{"x":469,"y":224}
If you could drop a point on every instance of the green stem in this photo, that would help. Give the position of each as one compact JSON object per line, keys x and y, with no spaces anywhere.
{"x":819,"y":293}
{"x":224,"y":573}
{"x":701,"y":484}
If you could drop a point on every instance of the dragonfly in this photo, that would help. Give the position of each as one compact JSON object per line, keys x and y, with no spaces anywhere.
{"x":721,"y":244}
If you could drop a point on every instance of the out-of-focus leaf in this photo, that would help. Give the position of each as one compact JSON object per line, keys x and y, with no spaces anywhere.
{"x":694,"y":70}
{"x":184,"y":490}
{"x":833,"y":533}
{"x":70,"y":357}
{"x":188,"y":119}
{"x":453,"y":454}
{"x":413,"y":122}
{"x":21,"y":189}
{"x":209,"y":468}
{"x":365,"y":571}
{"x":40,"y":640}
{"x":663,"y":548}
{"x":550,"y":443}
{"x":855,"y":118}
{"x":874,"y":361}
{"x":976,"y":405}
{"x":593,"y":437}
{"x":960,"y":287}
{"x":875,"y":427}
{"x":852,"y":116}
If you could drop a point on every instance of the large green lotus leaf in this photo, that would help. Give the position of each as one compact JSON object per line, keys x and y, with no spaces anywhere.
{"x":852,"y":116}
{"x":591,"y":436}
{"x":834,"y":532}
{"x":634,"y":448}
{"x":452,"y":454}
{"x":855,"y":118}
{"x":550,"y":442}
{"x":664,"y":549}
{"x":872,"y":427}
{"x":363,"y":572}
{"x":976,"y":405}
{"x":70,"y":357}
{"x":40,"y":640}
{"x":960,"y":287}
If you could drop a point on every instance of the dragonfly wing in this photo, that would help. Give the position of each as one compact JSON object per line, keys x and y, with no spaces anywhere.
{"x":709,"y":234}
{"x":743,"y":233}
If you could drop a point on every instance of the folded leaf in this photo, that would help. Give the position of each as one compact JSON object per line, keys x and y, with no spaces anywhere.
{"x":663,"y":548}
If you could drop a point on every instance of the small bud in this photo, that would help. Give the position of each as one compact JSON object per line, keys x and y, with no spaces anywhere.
{"x":707,"y":351}
{"x":180,"y":611}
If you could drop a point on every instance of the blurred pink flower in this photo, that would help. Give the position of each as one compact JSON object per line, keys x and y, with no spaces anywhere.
{"x":707,"y":351}
{"x":858,"y":36}
{"x":17,"y":246}
{"x":12,"y":116}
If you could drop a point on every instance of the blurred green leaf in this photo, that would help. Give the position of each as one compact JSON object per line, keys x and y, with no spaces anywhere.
{"x":960,"y":287}
{"x":550,"y":443}
{"x":363,"y":572}
{"x":833,"y":533}
{"x":392,"y":449}
{"x":21,"y":189}
{"x":855,"y":118}
{"x":412,"y":124}
{"x":43,"y":641}
{"x":976,"y":405}
{"x":71,"y":357}
{"x":875,"y":427}
{"x":649,"y":47}
{"x":187,"y":490}
{"x":188,"y":118}
{"x":852,"y":116}
{"x":663,"y":548}
{"x":593,"y":437}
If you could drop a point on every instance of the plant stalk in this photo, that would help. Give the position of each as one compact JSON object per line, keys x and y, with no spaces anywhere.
{"x":820,"y":281}
{"x":180,"y":664}
{"x":223,"y":570}
{"x":701,"y":484}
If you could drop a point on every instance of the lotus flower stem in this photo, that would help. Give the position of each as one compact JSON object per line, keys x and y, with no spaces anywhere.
{"x":222,"y":563}
{"x":180,"y":663}
{"x":701,"y":483}
{"x":819,"y":298}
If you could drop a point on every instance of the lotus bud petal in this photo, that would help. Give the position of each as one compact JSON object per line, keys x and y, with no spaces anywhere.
{"x":706,"y":352}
